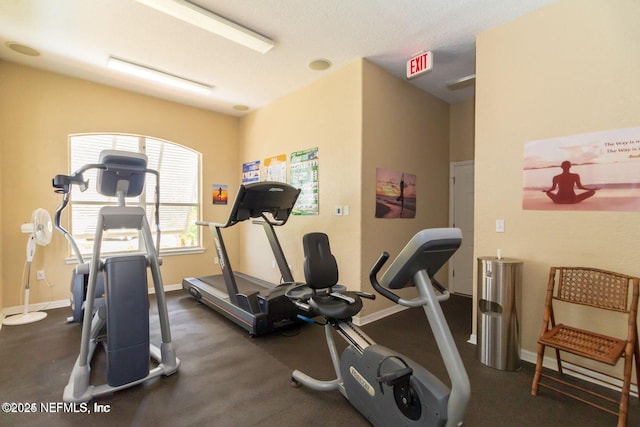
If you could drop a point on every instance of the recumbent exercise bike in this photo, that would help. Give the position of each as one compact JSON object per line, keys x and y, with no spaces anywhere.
{"x":386,"y":387}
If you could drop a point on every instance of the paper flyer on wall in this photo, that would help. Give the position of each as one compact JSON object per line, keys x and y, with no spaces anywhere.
{"x":304,"y":175}
{"x":275,"y":169}
{"x":251,"y":172}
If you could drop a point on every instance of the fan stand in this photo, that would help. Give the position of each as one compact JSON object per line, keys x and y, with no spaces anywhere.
{"x":26,"y":317}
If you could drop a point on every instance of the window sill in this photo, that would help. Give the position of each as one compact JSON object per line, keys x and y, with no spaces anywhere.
{"x":164,"y":253}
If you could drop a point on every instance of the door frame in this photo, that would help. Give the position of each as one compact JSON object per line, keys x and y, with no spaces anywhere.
{"x":452,"y":165}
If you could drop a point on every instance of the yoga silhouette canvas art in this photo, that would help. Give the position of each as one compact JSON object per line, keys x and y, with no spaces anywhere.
{"x":598,"y":171}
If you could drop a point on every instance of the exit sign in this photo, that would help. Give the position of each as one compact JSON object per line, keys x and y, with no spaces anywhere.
{"x":419,"y":65}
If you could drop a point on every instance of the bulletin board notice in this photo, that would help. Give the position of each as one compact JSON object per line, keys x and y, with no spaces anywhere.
{"x":304,"y":175}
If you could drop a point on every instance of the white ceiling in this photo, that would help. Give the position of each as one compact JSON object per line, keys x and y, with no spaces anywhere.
{"x":76,"y":37}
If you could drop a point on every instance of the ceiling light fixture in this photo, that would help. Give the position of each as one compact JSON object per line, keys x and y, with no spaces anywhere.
{"x":207,"y":20}
{"x":157,"y":76}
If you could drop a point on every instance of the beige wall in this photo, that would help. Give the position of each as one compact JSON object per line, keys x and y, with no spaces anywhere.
{"x":37,"y":111}
{"x":361,"y":118}
{"x":461,"y":131}
{"x":326,"y":114}
{"x":2,"y":271}
{"x":567,"y":69}
{"x":407,"y":130}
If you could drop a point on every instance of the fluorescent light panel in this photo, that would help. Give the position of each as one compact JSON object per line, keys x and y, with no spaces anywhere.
{"x":157,"y":76}
{"x":462,"y":83}
{"x":207,"y":20}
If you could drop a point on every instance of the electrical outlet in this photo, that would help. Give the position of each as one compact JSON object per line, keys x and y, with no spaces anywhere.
{"x":499,"y":225}
{"x":216,"y":260}
{"x":40,"y":274}
{"x":338,"y":210}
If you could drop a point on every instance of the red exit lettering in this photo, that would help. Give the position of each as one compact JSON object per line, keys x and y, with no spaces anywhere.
{"x":419,"y":65}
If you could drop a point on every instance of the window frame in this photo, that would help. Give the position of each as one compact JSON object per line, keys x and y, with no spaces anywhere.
{"x":146,"y":200}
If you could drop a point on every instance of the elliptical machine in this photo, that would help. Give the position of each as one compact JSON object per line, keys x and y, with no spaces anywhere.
{"x":122,"y":323}
{"x":386,"y":387}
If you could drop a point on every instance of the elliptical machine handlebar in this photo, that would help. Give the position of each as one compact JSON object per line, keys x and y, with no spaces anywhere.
{"x":62,"y":184}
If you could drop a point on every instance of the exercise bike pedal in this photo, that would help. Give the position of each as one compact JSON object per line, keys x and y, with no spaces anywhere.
{"x":406,"y":399}
{"x":393,"y":378}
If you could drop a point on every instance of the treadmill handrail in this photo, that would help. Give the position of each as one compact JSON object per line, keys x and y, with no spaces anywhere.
{"x":231,"y":223}
{"x":211,"y":224}
{"x":265,"y":219}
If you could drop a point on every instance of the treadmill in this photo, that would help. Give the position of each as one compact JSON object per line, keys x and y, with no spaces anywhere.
{"x":256,"y":305}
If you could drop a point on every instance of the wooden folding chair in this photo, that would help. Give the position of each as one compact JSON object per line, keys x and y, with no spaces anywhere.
{"x":597,"y":289}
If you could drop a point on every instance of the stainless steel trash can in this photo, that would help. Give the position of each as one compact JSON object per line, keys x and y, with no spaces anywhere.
{"x":499,"y":310}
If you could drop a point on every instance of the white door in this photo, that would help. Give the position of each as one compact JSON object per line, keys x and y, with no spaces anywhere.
{"x":461,"y":216}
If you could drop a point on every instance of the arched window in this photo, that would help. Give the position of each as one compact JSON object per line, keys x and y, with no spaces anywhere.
{"x":179,"y":169}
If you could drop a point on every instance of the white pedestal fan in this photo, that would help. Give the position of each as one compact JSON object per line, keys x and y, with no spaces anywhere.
{"x":40,"y":231}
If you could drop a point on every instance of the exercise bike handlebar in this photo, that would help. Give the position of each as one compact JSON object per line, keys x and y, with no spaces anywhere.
{"x":374,"y":279}
{"x":415,"y":302}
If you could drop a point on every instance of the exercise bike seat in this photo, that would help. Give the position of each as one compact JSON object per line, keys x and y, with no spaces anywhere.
{"x":327,"y":299}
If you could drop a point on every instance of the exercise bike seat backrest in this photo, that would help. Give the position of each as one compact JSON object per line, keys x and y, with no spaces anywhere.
{"x":321,"y":274}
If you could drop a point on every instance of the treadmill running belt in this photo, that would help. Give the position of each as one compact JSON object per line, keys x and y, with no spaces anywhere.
{"x":245,"y":286}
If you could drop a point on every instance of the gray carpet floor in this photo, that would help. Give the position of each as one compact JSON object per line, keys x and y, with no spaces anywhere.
{"x":228,"y":378}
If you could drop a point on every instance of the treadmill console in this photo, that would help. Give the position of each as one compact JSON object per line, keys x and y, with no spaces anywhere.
{"x":258,"y":198}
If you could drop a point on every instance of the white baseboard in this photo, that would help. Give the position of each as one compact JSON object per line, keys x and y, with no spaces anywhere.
{"x":578,"y":372}
{"x":361,"y":321}
{"x":50,"y":305}
{"x":572,"y":370}
{"x":167,"y":288}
